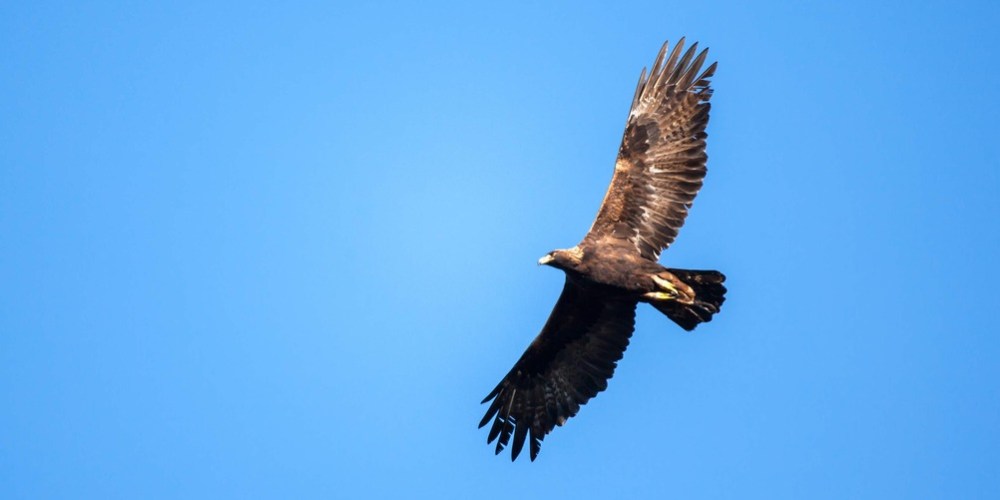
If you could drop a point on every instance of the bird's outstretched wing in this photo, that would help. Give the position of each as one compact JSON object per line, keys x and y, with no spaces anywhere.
{"x":568,"y":363}
{"x":661,"y":161}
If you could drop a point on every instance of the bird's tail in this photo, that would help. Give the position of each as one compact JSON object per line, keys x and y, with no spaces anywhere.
{"x":709,"y":294}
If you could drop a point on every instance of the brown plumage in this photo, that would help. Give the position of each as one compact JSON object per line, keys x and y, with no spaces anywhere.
{"x":659,"y":170}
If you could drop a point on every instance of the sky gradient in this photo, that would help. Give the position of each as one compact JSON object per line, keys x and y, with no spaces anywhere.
{"x":252,"y":251}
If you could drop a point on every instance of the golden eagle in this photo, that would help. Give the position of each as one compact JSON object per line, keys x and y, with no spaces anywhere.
{"x":659,"y":170}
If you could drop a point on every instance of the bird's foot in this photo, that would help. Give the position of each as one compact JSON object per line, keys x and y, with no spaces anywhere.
{"x":671,"y":290}
{"x":659,"y":296}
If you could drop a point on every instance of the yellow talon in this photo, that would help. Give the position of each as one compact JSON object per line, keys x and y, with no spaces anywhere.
{"x":664,"y":284}
{"x":659,"y":296}
{"x":670,"y":291}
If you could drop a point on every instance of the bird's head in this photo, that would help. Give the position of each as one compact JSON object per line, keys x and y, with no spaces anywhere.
{"x":569,"y":258}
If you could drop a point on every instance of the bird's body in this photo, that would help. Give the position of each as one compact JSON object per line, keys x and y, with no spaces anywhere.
{"x":608,"y":263}
{"x":660,"y":167}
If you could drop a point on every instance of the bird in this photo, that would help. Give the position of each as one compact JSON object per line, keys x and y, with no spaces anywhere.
{"x":659,"y":169}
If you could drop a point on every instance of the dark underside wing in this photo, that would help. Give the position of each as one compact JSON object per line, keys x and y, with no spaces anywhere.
{"x":661,"y":160}
{"x":568,"y":363}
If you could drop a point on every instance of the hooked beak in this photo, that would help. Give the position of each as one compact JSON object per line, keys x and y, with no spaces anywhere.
{"x":548,"y":259}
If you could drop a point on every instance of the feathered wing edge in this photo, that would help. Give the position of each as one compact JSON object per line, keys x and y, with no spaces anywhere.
{"x":661,"y":161}
{"x":678,"y":71}
{"x":568,"y":363}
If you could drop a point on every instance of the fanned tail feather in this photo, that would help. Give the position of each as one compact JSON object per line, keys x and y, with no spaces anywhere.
{"x":709,"y":293}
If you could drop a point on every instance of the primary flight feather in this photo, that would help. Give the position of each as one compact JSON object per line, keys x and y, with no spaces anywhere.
{"x":658,"y":172}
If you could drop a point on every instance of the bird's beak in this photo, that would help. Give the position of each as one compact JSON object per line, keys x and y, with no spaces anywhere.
{"x":545,"y":260}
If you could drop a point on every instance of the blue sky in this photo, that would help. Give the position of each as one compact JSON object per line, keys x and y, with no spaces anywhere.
{"x":260,"y":251}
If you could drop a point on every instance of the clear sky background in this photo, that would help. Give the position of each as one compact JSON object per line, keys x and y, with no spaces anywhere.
{"x":259,"y":251}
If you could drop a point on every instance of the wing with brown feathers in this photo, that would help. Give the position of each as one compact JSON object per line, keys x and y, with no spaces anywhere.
{"x":661,"y":161}
{"x":568,"y":363}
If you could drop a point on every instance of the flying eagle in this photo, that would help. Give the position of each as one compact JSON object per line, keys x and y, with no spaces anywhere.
{"x":659,"y":170}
